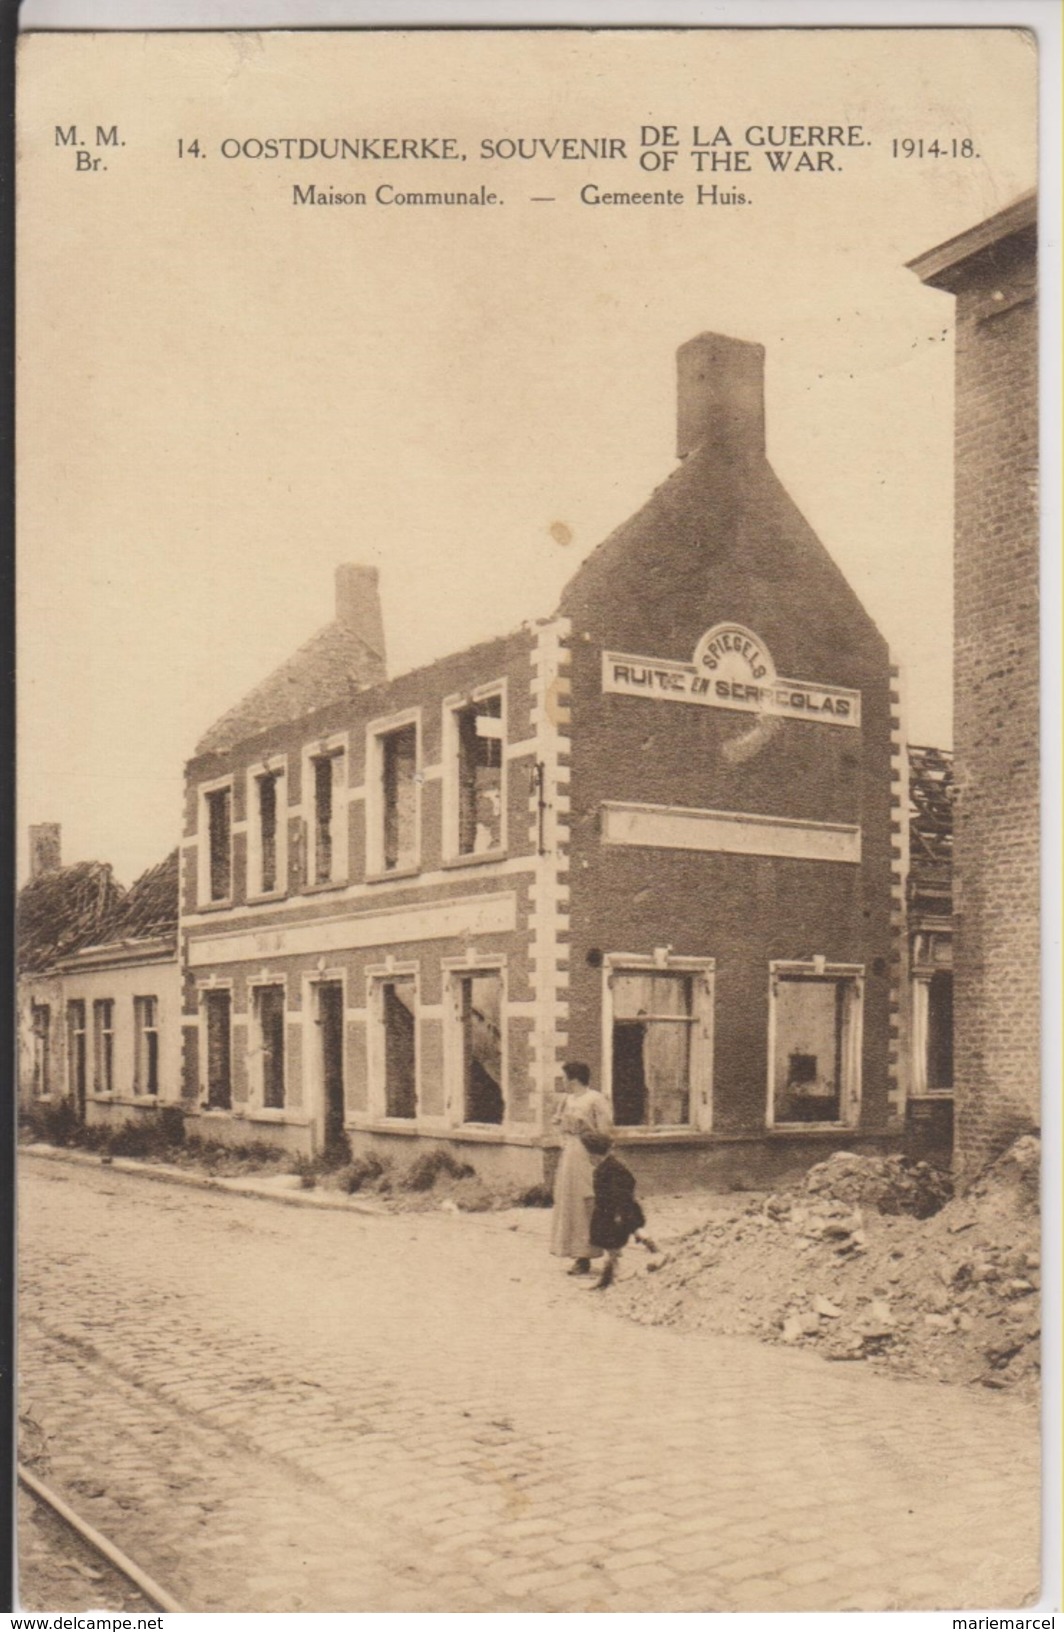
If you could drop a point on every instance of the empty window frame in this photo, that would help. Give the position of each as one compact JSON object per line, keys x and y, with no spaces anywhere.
{"x":41,"y":1027}
{"x":477,"y":1008}
{"x":103,"y":1046}
{"x":76,"y":1051}
{"x":268,"y":849}
{"x":397,"y":761}
{"x":815,"y":1037}
{"x":268,"y":1011}
{"x":940,"y":1032}
{"x":659,"y":1045}
{"x":477,"y":769}
{"x":395,"y":1013}
{"x":216,"y":832}
{"x":326,"y":822}
{"x":217,"y":1020}
{"x":145,"y":1046}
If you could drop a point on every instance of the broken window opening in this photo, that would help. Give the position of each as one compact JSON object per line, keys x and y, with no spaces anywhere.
{"x":219,"y":831}
{"x":269,"y":1017}
{"x":41,"y":1022}
{"x":399,"y":1029}
{"x":399,"y":790}
{"x":480,"y":1020}
{"x":480,"y":787}
{"x":940,"y":1032}
{"x":145,"y":1045}
{"x":219,"y":1050}
{"x":653,"y":1031}
{"x":267,"y":792}
{"x":324,"y":810}
{"x":76,"y":1061}
{"x":811,"y":1069}
{"x":103,"y":1046}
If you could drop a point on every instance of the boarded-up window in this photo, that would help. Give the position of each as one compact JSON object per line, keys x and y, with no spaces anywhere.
{"x":269,"y":1021}
{"x":479,"y":1010}
{"x":399,"y":1040}
{"x":41,"y":1020}
{"x":145,"y":1045}
{"x":267,"y":798}
{"x":399,"y":798}
{"x":103,"y":1046}
{"x":480,"y":788}
{"x":219,"y":1050}
{"x":219,"y":839}
{"x":653,"y":1028}
{"x":811,"y":1065}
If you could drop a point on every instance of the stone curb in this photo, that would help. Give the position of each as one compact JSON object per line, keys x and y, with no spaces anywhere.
{"x":204,"y":1181}
{"x":324,"y":1201}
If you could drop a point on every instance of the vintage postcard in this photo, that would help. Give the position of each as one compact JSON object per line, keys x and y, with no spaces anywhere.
{"x":529,"y":1070}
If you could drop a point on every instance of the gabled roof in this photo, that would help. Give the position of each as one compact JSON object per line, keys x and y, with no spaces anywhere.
{"x":63,"y":909}
{"x":930,"y":818}
{"x":331,"y":667}
{"x":148,"y":910}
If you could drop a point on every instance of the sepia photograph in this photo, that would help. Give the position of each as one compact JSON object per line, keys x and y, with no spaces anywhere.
{"x":529,"y":1069}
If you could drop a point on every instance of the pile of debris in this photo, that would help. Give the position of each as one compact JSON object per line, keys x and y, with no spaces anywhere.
{"x":869,"y":1259}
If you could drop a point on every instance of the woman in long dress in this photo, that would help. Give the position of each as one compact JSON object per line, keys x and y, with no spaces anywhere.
{"x":584,"y":1110}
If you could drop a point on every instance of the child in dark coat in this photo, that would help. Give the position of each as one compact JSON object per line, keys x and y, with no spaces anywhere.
{"x":616,"y":1215}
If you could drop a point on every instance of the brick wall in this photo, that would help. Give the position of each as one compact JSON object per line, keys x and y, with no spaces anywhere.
{"x":996,"y":866}
{"x":722,"y":540}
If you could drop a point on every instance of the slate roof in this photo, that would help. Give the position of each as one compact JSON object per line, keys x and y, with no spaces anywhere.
{"x":62,"y":910}
{"x":333,"y":666}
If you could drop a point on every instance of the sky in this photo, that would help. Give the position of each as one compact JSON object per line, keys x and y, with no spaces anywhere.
{"x":222,"y":394}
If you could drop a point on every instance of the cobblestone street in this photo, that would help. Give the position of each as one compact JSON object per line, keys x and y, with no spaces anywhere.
{"x":272,"y":1408}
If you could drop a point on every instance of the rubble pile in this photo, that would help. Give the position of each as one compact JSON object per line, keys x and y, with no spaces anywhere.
{"x":868,"y":1261}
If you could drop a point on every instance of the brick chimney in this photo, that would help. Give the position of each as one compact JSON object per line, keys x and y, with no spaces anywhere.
{"x":358,"y":605}
{"x":720,"y":396}
{"x":45,"y":852}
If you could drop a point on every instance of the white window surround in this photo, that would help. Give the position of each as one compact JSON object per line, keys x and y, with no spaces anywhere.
{"x":203,"y":847}
{"x":338,"y":748}
{"x":376,"y":978}
{"x":254,"y":1049}
{"x":453,"y":1062}
{"x":276,"y":765}
{"x":376,"y":731}
{"x":452,"y":706}
{"x":704,"y":969}
{"x":312,"y":1069}
{"x":850,"y":1086}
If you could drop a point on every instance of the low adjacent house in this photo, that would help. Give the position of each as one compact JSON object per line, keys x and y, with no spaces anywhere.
{"x":121,"y":996}
{"x":60,"y":909}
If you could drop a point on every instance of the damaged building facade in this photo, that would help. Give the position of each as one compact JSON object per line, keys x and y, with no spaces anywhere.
{"x":98,"y":989}
{"x":660,"y":832}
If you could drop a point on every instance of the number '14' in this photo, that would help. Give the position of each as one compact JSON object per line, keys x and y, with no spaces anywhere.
{"x":188,"y":150}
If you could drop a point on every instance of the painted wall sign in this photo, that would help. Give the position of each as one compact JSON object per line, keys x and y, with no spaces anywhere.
{"x":731,"y":669}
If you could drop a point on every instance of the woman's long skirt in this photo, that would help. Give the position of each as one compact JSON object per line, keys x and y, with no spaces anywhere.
{"x":574,"y":1196}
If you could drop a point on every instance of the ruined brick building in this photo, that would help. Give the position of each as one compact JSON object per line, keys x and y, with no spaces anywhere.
{"x":619,"y":834}
{"x":991,"y":272}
